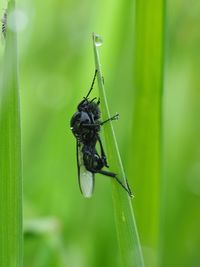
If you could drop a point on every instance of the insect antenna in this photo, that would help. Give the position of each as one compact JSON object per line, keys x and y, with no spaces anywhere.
{"x":93,"y":99}
{"x":95,"y":74}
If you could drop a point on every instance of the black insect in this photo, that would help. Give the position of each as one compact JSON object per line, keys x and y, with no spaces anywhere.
{"x":85,"y":125}
{"x":4,"y":24}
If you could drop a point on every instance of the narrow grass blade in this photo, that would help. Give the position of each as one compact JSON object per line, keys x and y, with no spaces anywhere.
{"x":126,"y":227}
{"x":11,"y":235}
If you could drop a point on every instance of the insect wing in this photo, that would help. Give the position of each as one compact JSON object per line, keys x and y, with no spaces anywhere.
{"x":85,"y":177}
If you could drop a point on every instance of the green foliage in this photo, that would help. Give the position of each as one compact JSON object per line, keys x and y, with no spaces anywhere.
{"x":11,"y":236}
{"x":145,"y":162}
{"x":56,"y":69}
{"x":126,"y":227}
{"x":180,"y":233}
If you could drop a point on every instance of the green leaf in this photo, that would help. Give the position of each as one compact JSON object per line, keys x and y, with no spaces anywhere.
{"x":129,"y":243}
{"x":11,"y":234}
{"x":145,"y":151}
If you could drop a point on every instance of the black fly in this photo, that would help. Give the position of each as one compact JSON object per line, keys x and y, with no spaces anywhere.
{"x":85,"y":125}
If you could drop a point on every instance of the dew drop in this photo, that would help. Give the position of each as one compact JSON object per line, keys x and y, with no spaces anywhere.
{"x":98,"y":40}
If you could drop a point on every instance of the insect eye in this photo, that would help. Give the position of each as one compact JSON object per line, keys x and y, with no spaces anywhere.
{"x":84,"y":117}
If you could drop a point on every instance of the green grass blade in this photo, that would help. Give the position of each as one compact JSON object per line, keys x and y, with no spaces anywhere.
{"x":126,"y":227}
{"x":145,"y":163}
{"x":11,"y":234}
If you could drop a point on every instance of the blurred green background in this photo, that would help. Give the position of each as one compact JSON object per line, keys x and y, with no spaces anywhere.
{"x":56,"y":68}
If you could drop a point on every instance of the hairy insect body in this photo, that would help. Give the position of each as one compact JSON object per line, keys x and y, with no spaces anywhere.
{"x":85,"y":125}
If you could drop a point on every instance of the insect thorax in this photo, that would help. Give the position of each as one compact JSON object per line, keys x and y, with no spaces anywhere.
{"x":84,"y":127}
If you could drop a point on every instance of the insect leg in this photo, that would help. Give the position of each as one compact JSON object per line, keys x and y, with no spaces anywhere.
{"x":113,"y":175}
{"x":95,"y":75}
{"x":129,"y":187}
{"x":103,"y":155}
{"x":115,"y":117}
{"x":91,"y":125}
